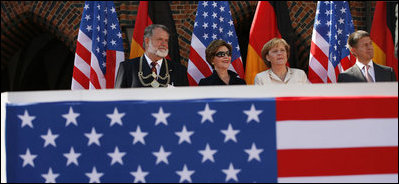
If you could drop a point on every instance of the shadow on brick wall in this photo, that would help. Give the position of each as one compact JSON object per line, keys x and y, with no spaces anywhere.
{"x":44,"y":64}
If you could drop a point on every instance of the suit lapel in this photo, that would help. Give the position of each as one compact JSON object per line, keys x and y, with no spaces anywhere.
{"x":358,"y":73}
{"x":163,"y":68}
{"x":162,"y":73}
{"x":146,"y":67}
{"x":146,"y":70}
{"x":378,"y":73}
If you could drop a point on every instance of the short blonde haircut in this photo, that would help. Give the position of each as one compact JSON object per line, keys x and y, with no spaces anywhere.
{"x":269,"y":45}
{"x":354,"y":38}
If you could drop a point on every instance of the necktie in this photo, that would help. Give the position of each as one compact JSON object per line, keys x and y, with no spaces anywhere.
{"x":154,"y":69}
{"x":368,"y":76}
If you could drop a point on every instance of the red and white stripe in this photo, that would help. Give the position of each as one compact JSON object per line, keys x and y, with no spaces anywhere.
{"x":347,"y":139}
{"x":320,"y":68}
{"x":198,"y":68}
{"x":87,"y":73}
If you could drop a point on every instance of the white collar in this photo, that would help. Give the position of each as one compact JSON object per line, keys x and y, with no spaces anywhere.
{"x":149,"y":61}
{"x":287,"y":76}
{"x":361,"y":65}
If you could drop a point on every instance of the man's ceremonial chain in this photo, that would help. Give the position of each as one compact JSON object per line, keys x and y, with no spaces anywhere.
{"x":154,"y":83}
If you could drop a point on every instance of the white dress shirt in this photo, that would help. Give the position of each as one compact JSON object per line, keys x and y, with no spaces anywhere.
{"x":363,"y":68}
{"x":158,"y":66}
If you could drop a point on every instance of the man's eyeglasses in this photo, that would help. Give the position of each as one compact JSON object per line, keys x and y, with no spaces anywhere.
{"x":222,"y":54}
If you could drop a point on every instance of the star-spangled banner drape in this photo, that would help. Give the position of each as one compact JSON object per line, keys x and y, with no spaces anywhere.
{"x":135,"y":141}
{"x":329,"y":55}
{"x":99,"y":48}
{"x":213,"y":21}
{"x":286,"y":139}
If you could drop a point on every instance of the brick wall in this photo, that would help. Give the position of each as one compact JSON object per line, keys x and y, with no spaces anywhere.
{"x":22,"y":20}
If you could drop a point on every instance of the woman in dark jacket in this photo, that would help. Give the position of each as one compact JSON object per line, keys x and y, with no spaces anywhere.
{"x":218,"y":55}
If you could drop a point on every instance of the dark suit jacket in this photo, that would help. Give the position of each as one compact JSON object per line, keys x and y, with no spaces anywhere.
{"x":127,"y":76}
{"x":214,"y":79}
{"x":354,"y":74}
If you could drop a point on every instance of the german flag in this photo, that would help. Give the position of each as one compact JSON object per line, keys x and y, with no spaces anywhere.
{"x":383,"y":33}
{"x":154,"y":12}
{"x":271,"y":20}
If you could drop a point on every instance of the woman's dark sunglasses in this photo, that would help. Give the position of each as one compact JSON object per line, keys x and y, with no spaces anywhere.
{"x":222,"y":54}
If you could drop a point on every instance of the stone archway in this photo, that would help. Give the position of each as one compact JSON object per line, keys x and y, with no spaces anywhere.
{"x":44,"y":64}
{"x":35,"y":59}
{"x":38,"y":44}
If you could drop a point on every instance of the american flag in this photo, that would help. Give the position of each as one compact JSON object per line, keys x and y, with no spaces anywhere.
{"x":288,"y":139}
{"x":329,"y":55}
{"x":213,"y":21}
{"x":99,"y":48}
{"x":291,"y":139}
{"x":215,"y":140}
{"x":316,"y":143}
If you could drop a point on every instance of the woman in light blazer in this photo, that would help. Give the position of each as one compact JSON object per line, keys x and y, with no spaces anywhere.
{"x":275,"y":54}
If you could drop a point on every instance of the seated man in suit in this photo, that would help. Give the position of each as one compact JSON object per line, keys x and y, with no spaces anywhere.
{"x":365,"y":70}
{"x":152,"y":69}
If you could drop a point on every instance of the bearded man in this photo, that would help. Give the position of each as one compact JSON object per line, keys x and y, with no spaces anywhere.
{"x":152,"y":69}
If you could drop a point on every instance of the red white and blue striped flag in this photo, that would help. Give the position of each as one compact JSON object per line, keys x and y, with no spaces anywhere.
{"x":99,"y":48}
{"x":213,"y":21}
{"x":289,"y":139}
{"x":329,"y":55}
{"x":316,"y":143}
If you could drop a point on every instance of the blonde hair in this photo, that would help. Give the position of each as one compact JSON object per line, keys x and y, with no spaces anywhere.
{"x":354,"y":38}
{"x":269,"y":45}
